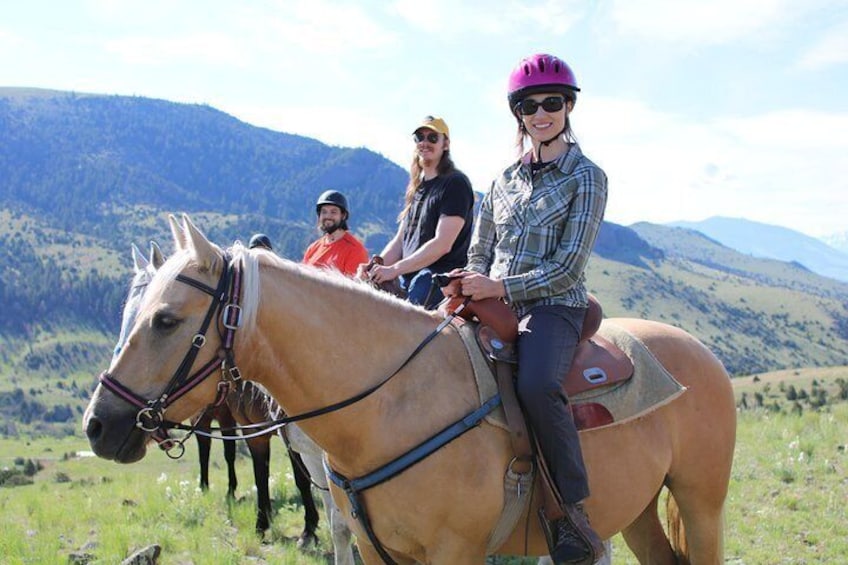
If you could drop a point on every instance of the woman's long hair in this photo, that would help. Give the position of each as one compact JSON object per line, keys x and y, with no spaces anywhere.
{"x":416,"y":177}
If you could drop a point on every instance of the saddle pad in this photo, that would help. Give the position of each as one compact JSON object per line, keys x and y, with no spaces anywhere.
{"x":651,"y":386}
{"x":487,"y":387}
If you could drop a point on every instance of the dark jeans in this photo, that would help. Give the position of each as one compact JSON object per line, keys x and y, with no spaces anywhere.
{"x":548,"y":336}
{"x":421,"y":290}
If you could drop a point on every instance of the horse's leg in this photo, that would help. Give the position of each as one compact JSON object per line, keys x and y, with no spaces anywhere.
{"x":260,"y":453}
{"x":702,"y":427}
{"x":310,"y":511}
{"x":203,"y":446}
{"x":339,"y":531}
{"x":646,"y":538}
{"x":312,"y":458}
{"x":228,"y":429}
{"x":701,"y":510}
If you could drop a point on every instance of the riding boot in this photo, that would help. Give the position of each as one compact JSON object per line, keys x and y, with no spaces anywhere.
{"x":575,"y":540}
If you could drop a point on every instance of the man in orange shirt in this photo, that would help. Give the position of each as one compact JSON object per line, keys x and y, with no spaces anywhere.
{"x":337,"y":248}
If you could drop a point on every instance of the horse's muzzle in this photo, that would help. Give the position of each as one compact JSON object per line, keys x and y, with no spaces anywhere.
{"x":115,"y":438}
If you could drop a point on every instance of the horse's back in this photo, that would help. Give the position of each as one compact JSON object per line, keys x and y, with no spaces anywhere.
{"x":688,"y":360}
{"x":702,"y":422}
{"x":709,"y":391}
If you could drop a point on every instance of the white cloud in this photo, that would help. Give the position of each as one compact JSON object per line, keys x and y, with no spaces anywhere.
{"x":9,"y":40}
{"x":451,"y":19}
{"x":333,"y":125}
{"x":830,"y":49}
{"x":321,"y":26}
{"x":698,"y":21}
{"x":800,"y":130}
{"x":206,"y":48}
{"x":777,"y":168}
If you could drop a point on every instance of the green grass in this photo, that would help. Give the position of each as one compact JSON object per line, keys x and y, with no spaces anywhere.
{"x":110,"y":510}
{"x":787,"y":499}
{"x":788,"y":492}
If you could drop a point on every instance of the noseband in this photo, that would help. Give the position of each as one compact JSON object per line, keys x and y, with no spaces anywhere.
{"x":225,"y":304}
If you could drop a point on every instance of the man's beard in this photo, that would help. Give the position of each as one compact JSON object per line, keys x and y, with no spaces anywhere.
{"x":428,"y":161}
{"x":330,"y":228}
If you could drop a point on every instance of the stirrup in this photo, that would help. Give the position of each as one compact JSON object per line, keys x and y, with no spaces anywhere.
{"x":550,"y":535}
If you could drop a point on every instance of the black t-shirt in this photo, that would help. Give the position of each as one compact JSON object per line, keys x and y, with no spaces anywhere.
{"x":448,"y":195}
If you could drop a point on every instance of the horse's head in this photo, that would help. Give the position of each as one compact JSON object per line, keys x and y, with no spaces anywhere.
{"x":172,"y":331}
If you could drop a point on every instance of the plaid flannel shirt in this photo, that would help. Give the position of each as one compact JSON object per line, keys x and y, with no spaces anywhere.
{"x":535,"y":231}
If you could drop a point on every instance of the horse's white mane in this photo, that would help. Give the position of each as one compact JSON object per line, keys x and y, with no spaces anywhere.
{"x":321,"y":275}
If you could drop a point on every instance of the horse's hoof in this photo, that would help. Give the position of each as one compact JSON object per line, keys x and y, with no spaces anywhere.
{"x":307,"y":540}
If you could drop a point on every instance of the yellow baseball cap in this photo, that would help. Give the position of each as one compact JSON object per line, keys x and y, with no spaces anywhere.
{"x":438,"y":125}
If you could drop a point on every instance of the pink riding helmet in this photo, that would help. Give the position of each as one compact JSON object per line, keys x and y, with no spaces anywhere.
{"x":540,"y":73}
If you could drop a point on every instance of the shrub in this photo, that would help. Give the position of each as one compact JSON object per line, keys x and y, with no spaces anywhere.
{"x":791,"y":393}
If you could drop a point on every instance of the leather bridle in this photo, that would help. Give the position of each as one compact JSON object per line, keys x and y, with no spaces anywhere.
{"x":225,"y":299}
{"x":224,"y":306}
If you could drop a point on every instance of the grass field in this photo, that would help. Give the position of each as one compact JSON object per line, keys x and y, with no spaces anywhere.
{"x":788,"y":499}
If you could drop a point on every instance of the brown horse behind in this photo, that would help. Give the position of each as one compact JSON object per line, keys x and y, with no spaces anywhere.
{"x":318,"y":339}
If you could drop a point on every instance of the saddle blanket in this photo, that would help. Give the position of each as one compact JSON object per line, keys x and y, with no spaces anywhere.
{"x":651,"y":386}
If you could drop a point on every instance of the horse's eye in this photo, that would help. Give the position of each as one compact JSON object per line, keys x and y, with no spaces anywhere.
{"x":164,"y":321}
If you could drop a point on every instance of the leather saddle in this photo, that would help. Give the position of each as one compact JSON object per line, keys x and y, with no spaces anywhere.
{"x":597,"y":362}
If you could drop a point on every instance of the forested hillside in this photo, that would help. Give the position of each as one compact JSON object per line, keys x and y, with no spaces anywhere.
{"x":83,"y":161}
{"x":82,"y":177}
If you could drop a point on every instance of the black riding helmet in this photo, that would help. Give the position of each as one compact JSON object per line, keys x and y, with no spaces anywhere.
{"x":260,"y":240}
{"x":335,"y":198}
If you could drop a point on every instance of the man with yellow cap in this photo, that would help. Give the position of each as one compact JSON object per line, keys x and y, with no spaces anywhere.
{"x":434,"y":228}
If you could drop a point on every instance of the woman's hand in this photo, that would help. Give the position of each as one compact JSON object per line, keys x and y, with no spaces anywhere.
{"x":479,"y":286}
{"x":453,"y":288}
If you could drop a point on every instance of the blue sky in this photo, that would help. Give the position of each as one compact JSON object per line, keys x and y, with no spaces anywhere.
{"x":694,"y":108}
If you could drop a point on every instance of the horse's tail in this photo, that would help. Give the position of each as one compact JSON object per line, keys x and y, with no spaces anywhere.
{"x":676,"y":531}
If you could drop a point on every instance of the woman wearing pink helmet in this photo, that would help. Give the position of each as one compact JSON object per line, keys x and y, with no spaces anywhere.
{"x":533,"y":238}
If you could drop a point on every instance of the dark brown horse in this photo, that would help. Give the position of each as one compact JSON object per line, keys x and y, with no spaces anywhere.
{"x":250,"y":407}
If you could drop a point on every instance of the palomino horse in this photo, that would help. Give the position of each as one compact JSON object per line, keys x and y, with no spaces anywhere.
{"x":251,"y":407}
{"x":321,"y":341}
{"x":250,"y":411}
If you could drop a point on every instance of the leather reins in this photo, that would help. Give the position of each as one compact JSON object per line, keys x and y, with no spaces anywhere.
{"x":225,"y":300}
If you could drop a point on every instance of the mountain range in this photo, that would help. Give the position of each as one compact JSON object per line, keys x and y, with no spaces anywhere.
{"x":83,"y":176}
{"x":775,"y":242}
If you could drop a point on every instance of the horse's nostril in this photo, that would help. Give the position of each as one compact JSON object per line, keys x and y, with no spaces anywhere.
{"x":93,"y":429}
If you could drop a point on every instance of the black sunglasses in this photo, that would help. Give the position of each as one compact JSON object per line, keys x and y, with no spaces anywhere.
{"x":528,"y":106}
{"x":420,"y":136}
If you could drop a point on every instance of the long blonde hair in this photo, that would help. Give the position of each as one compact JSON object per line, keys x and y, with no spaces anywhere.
{"x":416,"y":177}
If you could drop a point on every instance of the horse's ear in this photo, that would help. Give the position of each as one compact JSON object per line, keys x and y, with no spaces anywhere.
{"x":202,"y":248}
{"x":139,"y":262}
{"x":180,"y":241}
{"x":156,"y":256}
